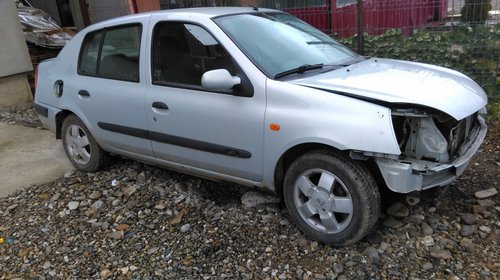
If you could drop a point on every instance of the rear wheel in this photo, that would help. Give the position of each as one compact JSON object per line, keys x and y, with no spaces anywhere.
{"x":331,"y":198}
{"x":80,"y":146}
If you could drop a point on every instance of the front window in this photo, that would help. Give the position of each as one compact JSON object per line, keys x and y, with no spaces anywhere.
{"x":183,"y":52}
{"x":278,"y":42}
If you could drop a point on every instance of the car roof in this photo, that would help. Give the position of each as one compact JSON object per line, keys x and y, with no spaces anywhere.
{"x":208,"y":12}
{"x":215,"y":11}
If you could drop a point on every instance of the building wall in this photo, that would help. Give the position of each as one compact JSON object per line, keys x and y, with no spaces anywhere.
{"x":147,"y":5}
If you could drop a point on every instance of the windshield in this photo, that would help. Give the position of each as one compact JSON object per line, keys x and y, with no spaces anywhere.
{"x":279,"y":42}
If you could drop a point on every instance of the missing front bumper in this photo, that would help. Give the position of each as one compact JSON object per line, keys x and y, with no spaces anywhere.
{"x":409,"y":175}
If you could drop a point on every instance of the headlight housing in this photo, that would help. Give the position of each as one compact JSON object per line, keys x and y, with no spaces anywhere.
{"x":431,"y":136}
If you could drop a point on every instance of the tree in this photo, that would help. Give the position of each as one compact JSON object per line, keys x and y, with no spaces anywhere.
{"x":475,"y":11}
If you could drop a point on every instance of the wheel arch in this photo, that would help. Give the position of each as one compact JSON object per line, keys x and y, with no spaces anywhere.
{"x":290,"y":155}
{"x":60,"y":117}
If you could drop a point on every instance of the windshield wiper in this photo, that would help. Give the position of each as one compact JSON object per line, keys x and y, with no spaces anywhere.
{"x":299,"y":70}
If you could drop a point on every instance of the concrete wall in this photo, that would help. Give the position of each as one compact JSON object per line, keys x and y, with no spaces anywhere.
{"x":14,"y":60}
{"x":14,"y":56}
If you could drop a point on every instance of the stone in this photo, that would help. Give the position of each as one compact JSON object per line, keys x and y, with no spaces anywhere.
{"x":129,"y":191}
{"x":106,"y":273}
{"x":417,"y":219}
{"x":253,"y":199}
{"x":426,"y":229}
{"x":25,"y":252}
{"x":442,"y":227}
{"x":153,"y":250}
{"x":467,"y":244}
{"x":427,"y":266}
{"x":314,"y":246}
{"x":338,"y":268}
{"x":177,"y":219}
{"x":447,"y":243}
{"x":12,"y":207}
{"x":439,"y":253}
{"x":392,"y":223}
{"x":185,"y":228}
{"x":373,"y":253}
{"x":122,"y":227}
{"x":398,"y":210}
{"x":466,"y":231}
{"x":73,"y":205}
{"x":46,"y":265}
{"x":95,"y":195}
{"x":428,"y":241}
{"x":97,"y":205}
{"x":119,"y":234}
{"x":90,"y":212}
{"x":486,"y":202}
{"x":350,"y":263}
{"x":55,"y":197}
{"x":485,"y":229}
{"x":284,"y":222}
{"x":384,"y":246}
{"x":69,"y":174}
{"x":268,"y":250}
{"x":124,"y":270}
{"x":116,"y":202}
{"x":180,"y":187}
{"x":469,"y":218}
{"x":160,"y":206}
{"x":478,"y":209}
{"x":486,"y":193}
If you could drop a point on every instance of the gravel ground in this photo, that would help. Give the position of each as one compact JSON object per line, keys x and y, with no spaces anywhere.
{"x":135,"y":221}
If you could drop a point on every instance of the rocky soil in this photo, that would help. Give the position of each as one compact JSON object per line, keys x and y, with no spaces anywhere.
{"x":135,"y":221}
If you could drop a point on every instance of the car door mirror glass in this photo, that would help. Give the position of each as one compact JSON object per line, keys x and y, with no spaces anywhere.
{"x":219,"y":79}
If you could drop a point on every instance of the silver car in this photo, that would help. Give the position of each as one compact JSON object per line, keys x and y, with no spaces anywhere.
{"x":262,"y":99}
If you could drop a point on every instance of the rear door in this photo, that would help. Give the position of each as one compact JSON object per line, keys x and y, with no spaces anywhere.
{"x":110,"y":88}
{"x":216,"y":131}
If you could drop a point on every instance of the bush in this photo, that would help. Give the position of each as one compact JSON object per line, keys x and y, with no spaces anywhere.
{"x":475,"y":11}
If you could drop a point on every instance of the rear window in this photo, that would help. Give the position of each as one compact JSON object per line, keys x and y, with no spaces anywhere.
{"x":112,"y":53}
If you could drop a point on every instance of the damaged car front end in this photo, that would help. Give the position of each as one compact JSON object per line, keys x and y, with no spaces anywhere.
{"x":435,"y":149}
{"x":436,"y":117}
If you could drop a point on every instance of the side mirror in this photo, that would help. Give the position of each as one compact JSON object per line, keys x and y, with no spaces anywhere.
{"x":219,"y":79}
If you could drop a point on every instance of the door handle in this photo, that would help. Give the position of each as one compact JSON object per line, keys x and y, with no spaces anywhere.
{"x":83,"y":93}
{"x":160,"y":105}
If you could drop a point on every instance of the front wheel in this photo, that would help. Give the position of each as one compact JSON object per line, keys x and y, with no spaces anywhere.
{"x":331,"y":198}
{"x":80,"y":146}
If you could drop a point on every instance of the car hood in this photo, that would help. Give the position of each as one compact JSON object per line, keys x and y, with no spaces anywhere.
{"x":403,"y":82}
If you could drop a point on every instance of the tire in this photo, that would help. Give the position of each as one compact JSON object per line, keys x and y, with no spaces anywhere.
{"x":331,"y":198}
{"x":80,"y":146}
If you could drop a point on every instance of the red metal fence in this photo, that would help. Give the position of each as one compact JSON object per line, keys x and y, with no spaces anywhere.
{"x":346,"y":18}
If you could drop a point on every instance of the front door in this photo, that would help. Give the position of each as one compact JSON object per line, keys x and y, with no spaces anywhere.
{"x":216,"y":131}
